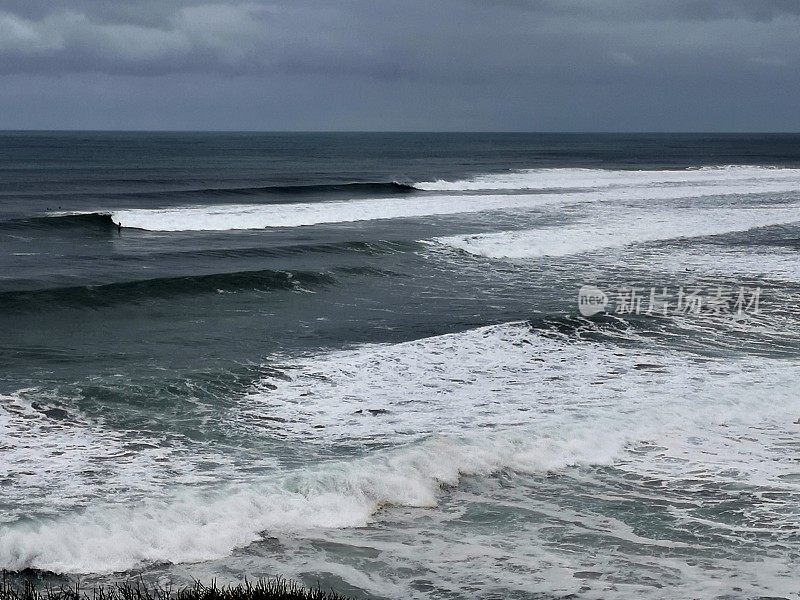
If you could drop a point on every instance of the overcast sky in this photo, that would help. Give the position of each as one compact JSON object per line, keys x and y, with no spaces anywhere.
{"x":526,"y":65}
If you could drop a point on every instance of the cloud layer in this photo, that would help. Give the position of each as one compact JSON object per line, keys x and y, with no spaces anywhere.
{"x":454,"y":64}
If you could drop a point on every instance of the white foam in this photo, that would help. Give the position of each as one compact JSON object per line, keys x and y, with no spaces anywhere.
{"x":471,"y":403}
{"x":568,"y":178}
{"x":83,"y":459}
{"x":503,"y":377}
{"x":258,"y":216}
{"x":618,"y":229}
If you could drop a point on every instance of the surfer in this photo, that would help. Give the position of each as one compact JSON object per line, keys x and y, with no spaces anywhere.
{"x":119,"y":227}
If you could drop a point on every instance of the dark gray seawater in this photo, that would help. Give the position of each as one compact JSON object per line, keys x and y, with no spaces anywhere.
{"x":359,"y":359}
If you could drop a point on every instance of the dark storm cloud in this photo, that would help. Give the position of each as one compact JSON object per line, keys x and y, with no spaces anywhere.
{"x":602,"y":57}
{"x":381,"y":39}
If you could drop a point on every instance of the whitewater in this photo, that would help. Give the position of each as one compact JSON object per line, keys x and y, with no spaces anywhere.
{"x":468,"y":404}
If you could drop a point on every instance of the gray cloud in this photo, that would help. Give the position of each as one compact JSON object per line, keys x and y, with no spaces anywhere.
{"x":659,"y":10}
{"x":471,"y":64}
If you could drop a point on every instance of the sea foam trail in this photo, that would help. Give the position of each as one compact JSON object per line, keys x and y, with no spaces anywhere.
{"x":645,"y":185}
{"x":258,"y":216}
{"x":473,"y":403}
{"x":628,"y":226}
{"x":568,"y":178}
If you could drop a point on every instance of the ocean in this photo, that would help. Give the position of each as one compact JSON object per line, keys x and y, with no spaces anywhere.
{"x":432,"y":366}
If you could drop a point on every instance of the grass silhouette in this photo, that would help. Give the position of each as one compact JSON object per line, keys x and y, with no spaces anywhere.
{"x":262,"y":589}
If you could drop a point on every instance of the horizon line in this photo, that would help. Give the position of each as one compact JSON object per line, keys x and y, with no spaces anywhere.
{"x":409,"y":131}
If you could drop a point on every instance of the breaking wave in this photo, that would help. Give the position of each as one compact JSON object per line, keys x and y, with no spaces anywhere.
{"x":481,"y":401}
{"x":624,"y":228}
{"x":570,"y":178}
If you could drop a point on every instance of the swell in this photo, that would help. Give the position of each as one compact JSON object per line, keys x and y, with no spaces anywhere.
{"x":315,"y":189}
{"x":355,"y":189}
{"x":97,"y":296}
{"x":96,"y":221}
{"x":350,"y":189}
{"x":366,"y":248}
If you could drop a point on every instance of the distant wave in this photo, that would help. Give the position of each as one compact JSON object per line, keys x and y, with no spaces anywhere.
{"x":351,"y":189}
{"x":100,"y":221}
{"x":584,"y":178}
{"x":259,"y":216}
{"x":166,"y":287}
{"x":596,"y":185}
{"x":629,"y":227}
